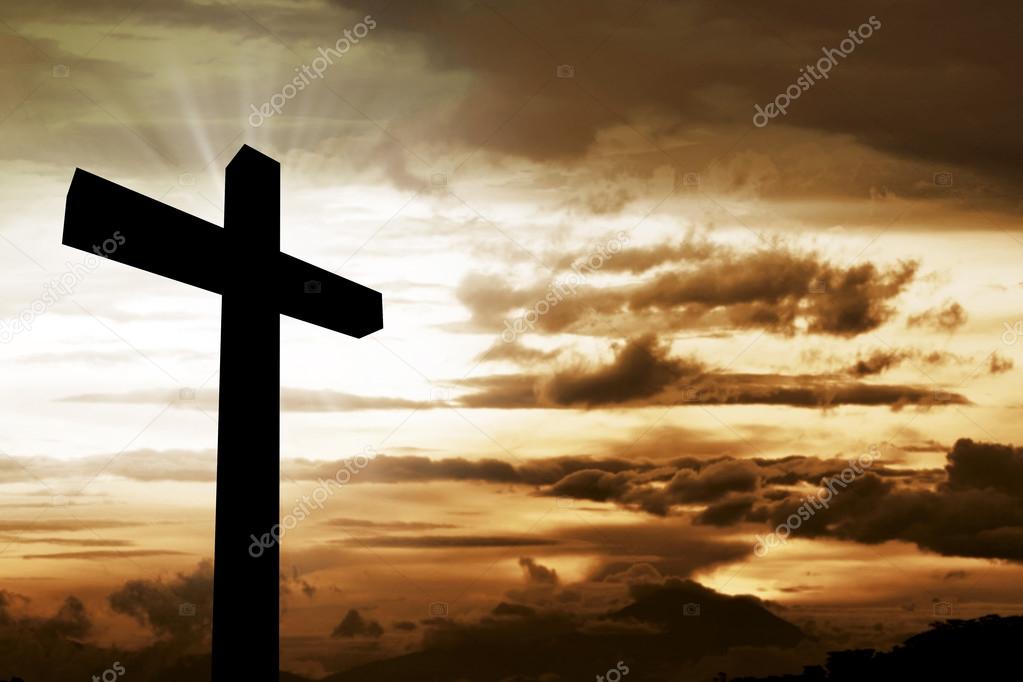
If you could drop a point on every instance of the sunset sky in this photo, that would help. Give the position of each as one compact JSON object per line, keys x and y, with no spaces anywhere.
{"x":628,"y":329}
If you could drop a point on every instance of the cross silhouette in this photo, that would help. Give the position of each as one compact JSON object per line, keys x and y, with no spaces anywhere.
{"x":257,"y":282}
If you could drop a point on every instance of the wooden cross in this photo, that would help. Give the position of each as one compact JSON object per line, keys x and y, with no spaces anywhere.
{"x":257,"y":282}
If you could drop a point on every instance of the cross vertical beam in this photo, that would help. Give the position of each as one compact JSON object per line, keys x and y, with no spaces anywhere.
{"x":246,"y":588}
{"x":242,"y":262}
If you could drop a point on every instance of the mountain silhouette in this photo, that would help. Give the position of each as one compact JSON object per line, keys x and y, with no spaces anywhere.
{"x":658,"y":635}
{"x":667,"y":626}
{"x":979,"y":649}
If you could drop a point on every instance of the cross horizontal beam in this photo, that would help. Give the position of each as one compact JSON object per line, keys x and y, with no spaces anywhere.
{"x":165,"y":241}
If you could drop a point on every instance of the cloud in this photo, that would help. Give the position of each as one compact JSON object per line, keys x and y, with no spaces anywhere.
{"x":877,"y":362}
{"x":640,"y":370}
{"x":998,"y":364}
{"x":705,"y":48}
{"x":354,"y":625}
{"x":976,"y":511}
{"x":638,"y":573}
{"x":947,"y":318}
{"x":295,"y":580}
{"x":102,"y":555}
{"x":349,"y":523}
{"x":58,"y":525}
{"x":70,"y":621}
{"x":705,"y":286}
{"x":515,"y":352}
{"x":985,"y":466}
{"x":644,"y":373}
{"x":536,"y":573}
{"x":771,"y":289}
{"x":882,"y":360}
{"x":140,"y":465}
{"x":156,"y":604}
{"x":445,"y":541}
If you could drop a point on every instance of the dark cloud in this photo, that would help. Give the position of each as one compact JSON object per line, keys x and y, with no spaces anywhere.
{"x":977,"y":511}
{"x":513,"y":610}
{"x":289,"y":582}
{"x":157,"y":604}
{"x":644,"y":373}
{"x":985,"y":466}
{"x":947,"y":318}
{"x":877,"y":362}
{"x":638,"y":573}
{"x":641,"y":370}
{"x":71,"y":621}
{"x":412,"y":469}
{"x":974,"y":510}
{"x":771,"y":289}
{"x":536,"y":573}
{"x":727,"y":512}
{"x":620,"y":52}
{"x":354,"y":625}
{"x":775,"y":288}
{"x":998,"y":364}
{"x":882,"y":360}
